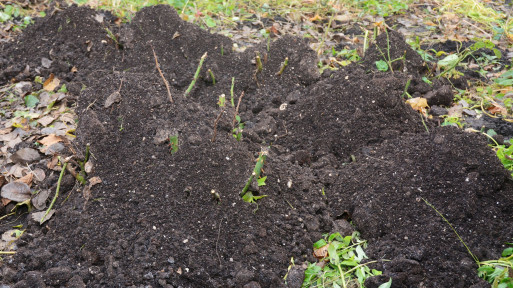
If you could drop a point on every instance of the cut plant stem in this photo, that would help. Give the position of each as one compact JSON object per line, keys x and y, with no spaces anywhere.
{"x":212,"y":76}
{"x":231,"y":92}
{"x":56,"y":192}
{"x":283,"y":66}
{"x":215,"y":125}
{"x":196,"y":75}
{"x":258,"y":62}
{"x":257,"y":170}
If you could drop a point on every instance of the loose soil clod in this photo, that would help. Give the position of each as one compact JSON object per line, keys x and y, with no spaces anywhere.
{"x":152,"y":220}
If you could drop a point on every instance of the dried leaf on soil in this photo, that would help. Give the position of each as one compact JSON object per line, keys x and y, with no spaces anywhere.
{"x":27,"y":179}
{"x":39,"y":201}
{"x":37,"y":216}
{"x":16,"y":191}
{"x":51,"y":83}
{"x":418,"y":103}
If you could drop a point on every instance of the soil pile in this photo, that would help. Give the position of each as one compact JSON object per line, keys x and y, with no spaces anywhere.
{"x":152,"y":220}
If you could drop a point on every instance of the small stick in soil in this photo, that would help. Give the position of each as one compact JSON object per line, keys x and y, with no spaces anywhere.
{"x":237,"y":109}
{"x":283,"y":66}
{"x":196,"y":75}
{"x":212,"y":76}
{"x":56,"y":192}
{"x":231,"y":91}
{"x":217,"y":241}
{"x":215,"y":126}
{"x":162,"y":75}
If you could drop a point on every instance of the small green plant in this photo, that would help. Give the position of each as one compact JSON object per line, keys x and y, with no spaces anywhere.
{"x":283,"y":66}
{"x":452,"y":121}
{"x":386,"y":63}
{"x":504,"y":151}
{"x":112,"y":36}
{"x":121,"y":120}
{"x":173,"y":144}
{"x":239,"y":127}
{"x":13,"y":12}
{"x":450,"y":62}
{"x":212,"y":76}
{"x":343,"y":256}
{"x":499,"y":272}
{"x":222,"y":100}
{"x":248,"y":196}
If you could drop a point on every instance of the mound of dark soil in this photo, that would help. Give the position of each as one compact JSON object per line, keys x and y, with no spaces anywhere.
{"x":152,"y":221}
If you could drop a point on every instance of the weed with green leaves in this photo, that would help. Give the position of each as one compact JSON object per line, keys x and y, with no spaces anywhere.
{"x":343,"y":257}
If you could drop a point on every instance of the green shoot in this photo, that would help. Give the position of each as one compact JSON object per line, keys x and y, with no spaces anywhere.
{"x":56,"y":191}
{"x":250,"y":198}
{"x":231,"y":92}
{"x":222,"y":100}
{"x":173,"y":143}
{"x":256,"y":171}
{"x":212,"y":76}
{"x":283,"y":66}
{"x":196,"y":75}
{"x":237,"y":131}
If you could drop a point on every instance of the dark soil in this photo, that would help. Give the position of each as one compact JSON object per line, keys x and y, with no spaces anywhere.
{"x":152,"y":221}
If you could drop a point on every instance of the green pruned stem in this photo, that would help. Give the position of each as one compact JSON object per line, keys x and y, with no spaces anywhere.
{"x":231,"y":92}
{"x":196,"y":75}
{"x":256,"y":171}
{"x":283,"y":66}
{"x":56,"y":192}
{"x":212,"y":76}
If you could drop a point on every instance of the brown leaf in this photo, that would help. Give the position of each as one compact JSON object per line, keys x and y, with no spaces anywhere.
{"x":322,"y":252}
{"x":74,"y":69}
{"x":51,"y":83}
{"x":5,"y":130}
{"x":27,"y":179}
{"x":5,"y":201}
{"x":48,"y":141}
{"x":51,"y":164}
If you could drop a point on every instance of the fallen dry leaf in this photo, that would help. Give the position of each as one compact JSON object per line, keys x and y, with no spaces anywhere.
{"x":37,"y":216}
{"x":315,"y":18}
{"x":27,"y":179}
{"x":418,"y":103}
{"x":322,"y":252}
{"x":16,"y":191}
{"x":46,"y":120}
{"x":5,"y":130}
{"x":51,"y":83}
{"x":5,"y":201}
{"x":49,"y":140}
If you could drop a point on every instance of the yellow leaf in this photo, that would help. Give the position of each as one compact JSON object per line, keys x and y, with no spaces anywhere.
{"x":51,"y":83}
{"x":418,"y":103}
{"x":315,"y":18}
